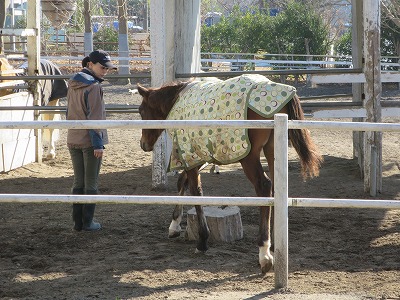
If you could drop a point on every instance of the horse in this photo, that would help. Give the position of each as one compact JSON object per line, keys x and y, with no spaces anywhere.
{"x":6,"y":69}
{"x":179,"y":100}
{"x":51,"y":91}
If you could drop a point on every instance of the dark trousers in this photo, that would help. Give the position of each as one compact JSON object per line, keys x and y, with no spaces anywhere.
{"x":86,"y":173}
{"x":86,"y":169}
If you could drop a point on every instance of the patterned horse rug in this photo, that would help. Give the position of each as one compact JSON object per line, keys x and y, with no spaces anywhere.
{"x":221,"y":100}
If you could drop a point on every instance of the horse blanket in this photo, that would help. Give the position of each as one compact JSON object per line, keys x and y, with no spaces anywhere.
{"x":51,"y":89}
{"x":221,"y":100}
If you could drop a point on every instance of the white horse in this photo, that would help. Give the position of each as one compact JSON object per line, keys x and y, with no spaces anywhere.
{"x":51,"y":90}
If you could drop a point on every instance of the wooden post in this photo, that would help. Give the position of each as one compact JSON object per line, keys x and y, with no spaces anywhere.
{"x":187,"y":36}
{"x":3,"y":13}
{"x":123,"y":45}
{"x":281,"y":213}
{"x":88,"y":36}
{"x":372,"y":89}
{"x":175,"y":47}
{"x":162,"y":70}
{"x":33,"y":22}
{"x":357,"y":88}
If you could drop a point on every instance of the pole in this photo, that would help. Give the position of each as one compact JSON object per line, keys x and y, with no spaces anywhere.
{"x":33,"y":22}
{"x":162,"y":44}
{"x":123,"y":45}
{"x":281,"y":222}
{"x":88,"y":36}
{"x":373,"y":91}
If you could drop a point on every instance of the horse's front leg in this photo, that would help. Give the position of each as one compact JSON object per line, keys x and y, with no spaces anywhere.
{"x":175,"y":226}
{"x":195,"y":189}
{"x":204,"y":232}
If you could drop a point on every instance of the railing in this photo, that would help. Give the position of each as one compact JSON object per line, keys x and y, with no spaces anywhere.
{"x":267,"y":61}
{"x":240,"y":61}
{"x":281,"y":201}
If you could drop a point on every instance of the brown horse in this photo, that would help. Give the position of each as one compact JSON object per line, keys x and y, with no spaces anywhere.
{"x":159,"y":103}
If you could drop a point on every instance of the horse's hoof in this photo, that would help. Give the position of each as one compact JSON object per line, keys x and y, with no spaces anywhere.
{"x":197,"y":251}
{"x":174,"y":234}
{"x":268,"y":266}
{"x":50,"y":156}
{"x":216,"y":169}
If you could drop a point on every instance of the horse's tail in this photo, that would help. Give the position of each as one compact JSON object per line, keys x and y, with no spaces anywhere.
{"x":310,"y":157}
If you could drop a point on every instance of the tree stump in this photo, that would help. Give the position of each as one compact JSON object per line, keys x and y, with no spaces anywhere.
{"x":225,"y":224}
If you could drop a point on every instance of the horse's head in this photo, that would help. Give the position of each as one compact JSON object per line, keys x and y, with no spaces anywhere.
{"x":5,"y":66}
{"x":148,"y":111}
{"x":156,"y":104}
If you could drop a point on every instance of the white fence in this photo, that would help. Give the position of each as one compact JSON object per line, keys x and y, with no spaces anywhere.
{"x":281,"y":201}
{"x":233,"y":61}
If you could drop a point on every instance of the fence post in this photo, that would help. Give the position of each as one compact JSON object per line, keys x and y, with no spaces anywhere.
{"x":162,"y":70}
{"x":33,"y":22}
{"x":281,"y":200}
{"x":373,"y":91}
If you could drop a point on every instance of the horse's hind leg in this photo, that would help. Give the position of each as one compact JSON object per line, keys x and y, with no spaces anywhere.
{"x":50,"y":136}
{"x":268,"y":150}
{"x":263,"y":186}
{"x":204,"y":232}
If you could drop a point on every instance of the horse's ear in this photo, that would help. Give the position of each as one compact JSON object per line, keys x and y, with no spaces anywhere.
{"x":142,"y":90}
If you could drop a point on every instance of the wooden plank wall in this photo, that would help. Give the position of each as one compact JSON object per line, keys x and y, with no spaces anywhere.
{"x":17,"y":146}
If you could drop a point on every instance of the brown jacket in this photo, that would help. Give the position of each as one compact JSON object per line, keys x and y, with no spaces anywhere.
{"x":85,"y":102}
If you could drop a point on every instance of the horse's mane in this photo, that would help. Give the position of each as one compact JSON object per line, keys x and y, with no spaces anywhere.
{"x":163,"y":98}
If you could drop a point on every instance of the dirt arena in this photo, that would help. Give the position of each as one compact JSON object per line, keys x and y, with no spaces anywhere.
{"x":333,"y":253}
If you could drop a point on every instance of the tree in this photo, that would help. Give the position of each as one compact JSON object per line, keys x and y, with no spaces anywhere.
{"x":391,"y":13}
{"x":343,"y":44}
{"x":390,"y":33}
{"x":77,"y":19}
{"x":390,"y":29}
{"x":297,"y":30}
{"x":106,"y":38}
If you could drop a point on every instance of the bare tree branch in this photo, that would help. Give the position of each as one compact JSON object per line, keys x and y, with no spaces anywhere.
{"x":391,"y":11}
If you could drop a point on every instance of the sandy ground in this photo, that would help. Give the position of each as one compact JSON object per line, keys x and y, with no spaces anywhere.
{"x":333,"y":253}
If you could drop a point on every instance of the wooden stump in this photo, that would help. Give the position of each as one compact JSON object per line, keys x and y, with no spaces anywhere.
{"x":225,"y":224}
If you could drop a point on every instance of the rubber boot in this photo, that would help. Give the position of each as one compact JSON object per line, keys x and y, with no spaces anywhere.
{"x":77,"y":210}
{"x":88,"y":213}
